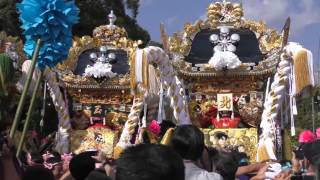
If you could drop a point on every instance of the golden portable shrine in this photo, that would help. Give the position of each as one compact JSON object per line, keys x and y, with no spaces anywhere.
{"x":96,"y":76}
{"x":241,"y":78}
{"x":234,"y":78}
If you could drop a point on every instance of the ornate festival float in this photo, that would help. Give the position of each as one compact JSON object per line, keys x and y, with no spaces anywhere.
{"x":113,"y":89}
{"x":234,"y":78}
{"x":96,"y":78}
{"x":240,"y":80}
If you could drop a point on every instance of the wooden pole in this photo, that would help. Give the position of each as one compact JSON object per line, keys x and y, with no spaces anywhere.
{"x":27,"y":122}
{"x":25,"y":90}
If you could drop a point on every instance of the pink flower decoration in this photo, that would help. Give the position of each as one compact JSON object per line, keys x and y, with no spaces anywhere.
{"x":306,"y":136}
{"x":154,"y":127}
{"x":318,"y":133}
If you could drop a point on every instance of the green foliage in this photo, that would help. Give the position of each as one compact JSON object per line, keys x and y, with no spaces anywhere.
{"x":7,"y":69}
{"x":9,"y":21}
{"x":303,"y":121}
{"x":94,"y":13}
{"x":134,"y":6}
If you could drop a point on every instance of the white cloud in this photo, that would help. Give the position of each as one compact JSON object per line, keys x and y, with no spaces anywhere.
{"x":302,"y":12}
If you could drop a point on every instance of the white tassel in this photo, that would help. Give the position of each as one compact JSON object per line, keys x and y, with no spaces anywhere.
{"x":144,"y":119}
{"x":160,"y":105}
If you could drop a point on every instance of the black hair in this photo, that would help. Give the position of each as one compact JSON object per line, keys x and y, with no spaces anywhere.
{"x":188,"y":141}
{"x":37,"y":172}
{"x":97,"y":175}
{"x":149,"y":162}
{"x":226,"y":165}
{"x":81,"y":165}
{"x":311,"y":150}
{"x":242,"y":158}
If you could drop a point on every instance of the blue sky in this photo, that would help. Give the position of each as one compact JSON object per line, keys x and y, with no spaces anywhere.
{"x":305,"y":16}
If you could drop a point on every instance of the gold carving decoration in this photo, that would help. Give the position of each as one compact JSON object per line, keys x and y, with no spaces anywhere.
{"x":220,"y":85}
{"x":102,"y":139}
{"x":75,"y":81}
{"x":242,"y":139}
{"x":224,"y":13}
{"x":114,"y":38}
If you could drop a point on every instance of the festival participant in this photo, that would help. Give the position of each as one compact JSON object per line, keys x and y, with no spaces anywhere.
{"x":97,"y":175}
{"x":37,"y":172}
{"x":149,"y":162}
{"x":81,"y":165}
{"x":188,"y":141}
{"x":226,"y":164}
{"x":312,"y":157}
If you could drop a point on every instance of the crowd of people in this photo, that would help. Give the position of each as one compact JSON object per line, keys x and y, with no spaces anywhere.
{"x":184,"y":158}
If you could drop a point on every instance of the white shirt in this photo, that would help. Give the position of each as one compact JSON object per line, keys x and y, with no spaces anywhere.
{"x":193,"y":172}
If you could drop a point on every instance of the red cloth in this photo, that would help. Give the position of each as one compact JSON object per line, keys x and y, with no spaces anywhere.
{"x":225,"y":122}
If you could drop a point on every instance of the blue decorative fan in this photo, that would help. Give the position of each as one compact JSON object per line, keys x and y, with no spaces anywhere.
{"x":51,"y":21}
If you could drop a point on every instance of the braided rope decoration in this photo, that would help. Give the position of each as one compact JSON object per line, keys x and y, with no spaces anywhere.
{"x":131,"y":123}
{"x":175,"y":87}
{"x":272,"y":106}
{"x":175,"y":91}
{"x":64,"y":126}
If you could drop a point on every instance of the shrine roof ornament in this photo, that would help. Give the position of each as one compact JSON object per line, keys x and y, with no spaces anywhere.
{"x":258,"y":47}
{"x":223,"y":14}
{"x":100,"y":61}
{"x":110,"y":36}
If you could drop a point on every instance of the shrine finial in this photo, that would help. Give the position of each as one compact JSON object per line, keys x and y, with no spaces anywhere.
{"x":112,"y":19}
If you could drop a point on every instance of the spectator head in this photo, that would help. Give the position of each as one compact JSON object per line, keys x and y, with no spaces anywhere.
{"x":312,"y":153}
{"x":149,"y":162}
{"x":37,"y":172}
{"x":188,"y":141}
{"x":81,"y":165}
{"x":225,"y":163}
{"x":97,"y":175}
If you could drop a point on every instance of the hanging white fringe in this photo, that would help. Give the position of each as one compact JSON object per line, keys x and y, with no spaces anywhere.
{"x":160,"y":109}
{"x":224,"y":59}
